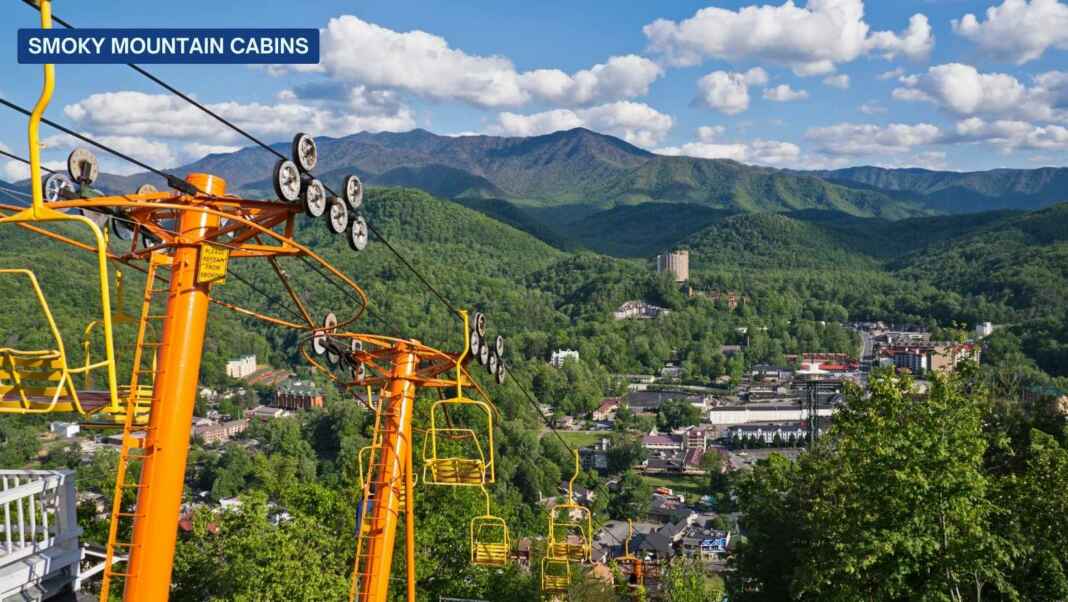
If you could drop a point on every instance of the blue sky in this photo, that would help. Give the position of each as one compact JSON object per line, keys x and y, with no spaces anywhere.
{"x":943,"y":84}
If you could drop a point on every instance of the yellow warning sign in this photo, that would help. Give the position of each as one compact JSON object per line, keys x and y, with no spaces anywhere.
{"x":212,"y":265}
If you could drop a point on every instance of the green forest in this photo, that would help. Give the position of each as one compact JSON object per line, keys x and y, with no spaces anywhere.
{"x":843,"y":523}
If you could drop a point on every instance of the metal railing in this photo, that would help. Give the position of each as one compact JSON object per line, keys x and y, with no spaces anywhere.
{"x":39,"y":532}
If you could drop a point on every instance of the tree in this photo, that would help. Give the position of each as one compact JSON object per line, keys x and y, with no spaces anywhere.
{"x":897,"y":503}
{"x":685,"y":581}
{"x":632,"y":498}
{"x":765,"y":560}
{"x":675,"y":413}
{"x":18,"y":443}
{"x":624,"y":453}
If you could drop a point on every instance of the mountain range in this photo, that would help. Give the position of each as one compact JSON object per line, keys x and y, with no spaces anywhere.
{"x":581,"y":167}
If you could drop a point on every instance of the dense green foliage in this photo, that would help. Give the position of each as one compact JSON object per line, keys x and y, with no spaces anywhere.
{"x":907,"y":499}
{"x":802,"y":275}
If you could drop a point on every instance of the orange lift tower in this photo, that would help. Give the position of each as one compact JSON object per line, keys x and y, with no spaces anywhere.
{"x":191,"y":232}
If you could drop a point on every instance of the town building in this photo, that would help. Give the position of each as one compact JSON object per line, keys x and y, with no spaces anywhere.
{"x":656,"y":443}
{"x":746,"y":414}
{"x":695,"y":438}
{"x":220,"y":433}
{"x":606,"y":411}
{"x":65,"y":429}
{"x":595,"y":457}
{"x":639,"y":310}
{"x":563,"y":355}
{"x":676,"y":263}
{"x":983,"y":330}
{"x":298,"y":395}
{"x":732,"y":298}
{"x":788,"y":433}
{"x":241,"y":367}
{"x":922,"y":357}
{"x":703,"y":543}
{"x":266,"y":413}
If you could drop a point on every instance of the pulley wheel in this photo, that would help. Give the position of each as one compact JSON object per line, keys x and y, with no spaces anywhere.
{"x":480,"y":324}
{"x":146,"y":189}
{"x":287,"y":180}
{"x":358,"y":234}
{"x":83,"y":166}
{"x":121,"y":228}
{"x":483,"y":355}
{"x":502,"y":372}
{"x":337,"y":216}
{"x":476,"y":342}
{"x":314,"y":198}
{"x":305,"y":154}
{"x":57,"y":186}
{"x":493,"y":364}
{"x":499,"y":346}
{"x":319,"y":342}
{"x":353,"y":192}
{"x":100,"y":219}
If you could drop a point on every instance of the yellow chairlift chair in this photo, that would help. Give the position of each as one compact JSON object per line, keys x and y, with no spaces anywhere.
{"x":39,"y":381}
{"x":143,"y":399}
{"x":555,"y":576}
{"x":489,"y":538}
{"x":632,"y":566}
{"x":454,"y":455}
{"x":571,"y":527}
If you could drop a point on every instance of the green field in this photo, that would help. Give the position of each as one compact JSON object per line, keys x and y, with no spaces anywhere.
{"x":578,"y":439}
{"x":691,"y":487}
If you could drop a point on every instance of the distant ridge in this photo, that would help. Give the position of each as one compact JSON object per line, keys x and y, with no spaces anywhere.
{"x":581,"y":167}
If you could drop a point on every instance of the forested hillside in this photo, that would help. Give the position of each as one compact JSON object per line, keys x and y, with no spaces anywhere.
{"x":956,"y":192}
{"x":804,"y":274}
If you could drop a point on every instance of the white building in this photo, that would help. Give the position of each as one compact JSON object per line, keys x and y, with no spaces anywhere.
{"x":983,"y":330}
{"x":639,"y":310}
{"x":65,"y":429}
{"x":731,"y":415}
{"x":241,"y":367}
{"x":559,"y":357}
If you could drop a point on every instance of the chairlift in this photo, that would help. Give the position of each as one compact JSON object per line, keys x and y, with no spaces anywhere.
{"x":455,"y":455}
{"x":489,"y":538}
{"x":570,"y":527}
{"x":555,"y":576}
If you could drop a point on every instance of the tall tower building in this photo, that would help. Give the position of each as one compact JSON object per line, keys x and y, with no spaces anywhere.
{"x":676,"y":263}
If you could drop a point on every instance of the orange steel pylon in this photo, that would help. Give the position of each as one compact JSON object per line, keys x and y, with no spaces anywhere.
{"x":177,"y":230}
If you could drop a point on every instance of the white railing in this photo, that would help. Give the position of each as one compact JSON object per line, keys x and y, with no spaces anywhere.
{"x":38,"y":531}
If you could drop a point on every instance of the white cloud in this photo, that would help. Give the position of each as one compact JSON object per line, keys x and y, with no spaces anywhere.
{"x":621,"y":77}
{"x":727,"y":92}
{"x":759,"y":152}
{"x":837,"y":81}
{"x":963,"y":90}
{"x":892,"y":74}
{"x":916,"y":42}
{"x":635,"y":122}
{"x":138,"y":114}
{"x":849,"y":139}
{"x":1018,"y":30}
{"x":157,"y":154}
{"x":514,"y":124}
{"x":811,"y":40}
{"x":15,"y":171}
{"x":1009,"y":135}
{"x":708,"y":133}
{"x":784,"y":93}
{"x":422,"y":63}
{"x":872,"y":108}
{"x":198,"y":150}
